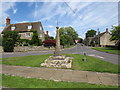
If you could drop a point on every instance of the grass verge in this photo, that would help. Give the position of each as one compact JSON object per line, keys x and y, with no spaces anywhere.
{"x":21,"y":82}
{"x":92,"y":64}
{"x":107,"y":49}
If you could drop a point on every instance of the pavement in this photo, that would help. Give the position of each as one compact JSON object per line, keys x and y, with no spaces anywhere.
{"x":78,"y":49}
{"x":62,"y":74}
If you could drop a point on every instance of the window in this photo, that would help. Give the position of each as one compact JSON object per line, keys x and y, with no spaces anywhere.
{"x":13,"y":28}
{"x":40,"y":28}
{"x":28,"y":35}
{"x":40,"y":35}
{"x":30,"y":26}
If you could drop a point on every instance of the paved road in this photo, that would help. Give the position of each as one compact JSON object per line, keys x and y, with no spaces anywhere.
{"x":78,"y":49}
{"x":62,"y":74}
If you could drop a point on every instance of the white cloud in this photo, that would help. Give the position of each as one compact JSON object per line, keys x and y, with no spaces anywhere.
{"x":4,"y":8}
{"x":14,"y":11}
{"x":21,"y":21}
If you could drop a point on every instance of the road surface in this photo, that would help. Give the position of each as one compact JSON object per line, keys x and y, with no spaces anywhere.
{"x":78,"y":49}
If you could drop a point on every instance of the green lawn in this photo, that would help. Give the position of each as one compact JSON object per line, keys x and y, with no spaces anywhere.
{"x":92,"y":64}
{"x":21,"y":82}
{"x":107,"y":49}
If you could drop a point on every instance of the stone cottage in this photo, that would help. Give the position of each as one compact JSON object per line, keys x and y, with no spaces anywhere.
{"x":25,"y":29}
{"x":103,"y":39}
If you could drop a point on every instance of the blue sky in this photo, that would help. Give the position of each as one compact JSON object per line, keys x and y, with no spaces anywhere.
{"x":89,"y":15}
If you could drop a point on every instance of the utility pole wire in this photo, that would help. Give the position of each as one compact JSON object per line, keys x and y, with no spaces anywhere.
{"x":76,"y":14}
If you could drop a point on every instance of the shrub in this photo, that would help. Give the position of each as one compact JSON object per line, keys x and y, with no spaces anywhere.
{"x":49,"y":43}
{"x":9,"y":40}
{"x":35,"y":39}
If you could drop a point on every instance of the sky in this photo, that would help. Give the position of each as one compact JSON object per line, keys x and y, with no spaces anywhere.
{"x":82,"y":16}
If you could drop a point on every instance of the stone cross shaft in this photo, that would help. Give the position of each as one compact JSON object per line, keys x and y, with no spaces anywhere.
{"x":57,"y":48}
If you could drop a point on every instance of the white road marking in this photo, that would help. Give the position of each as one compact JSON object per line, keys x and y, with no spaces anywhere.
{"x":96,"y":56}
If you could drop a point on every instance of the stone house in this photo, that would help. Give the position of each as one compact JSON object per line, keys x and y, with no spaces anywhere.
{"x":103,"y":39}
{"x":25,"y":29}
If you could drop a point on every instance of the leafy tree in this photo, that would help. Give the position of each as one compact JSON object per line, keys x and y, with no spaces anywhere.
{"x":65,"y":39}
{"x":67,"y":36}
{"x":71,"y":32}
{"x":115,"y":32}
{"x":80,"y":40}
{"x":90,"y":33}
{"x":10,"y":38}
{"x":35,"y":39}
{"x":0,"y":40}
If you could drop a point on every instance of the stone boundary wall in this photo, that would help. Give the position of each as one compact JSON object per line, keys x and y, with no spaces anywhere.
{"x":1,"y":49}
{"x":31,"y":48}
{"x":28,"y":48}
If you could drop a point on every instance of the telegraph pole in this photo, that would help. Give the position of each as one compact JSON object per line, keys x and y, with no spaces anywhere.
{"x":98,"y":38}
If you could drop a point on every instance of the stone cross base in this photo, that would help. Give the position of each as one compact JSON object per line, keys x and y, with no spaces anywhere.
{"x":58,"y":62}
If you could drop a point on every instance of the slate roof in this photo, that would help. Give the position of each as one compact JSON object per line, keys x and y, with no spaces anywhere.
{"x":23,"y":27}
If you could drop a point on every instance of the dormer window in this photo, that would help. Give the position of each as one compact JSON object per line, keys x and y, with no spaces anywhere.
{"x":40,"y":28}
{"x":29,"y":27}
{"x":13,"y":28}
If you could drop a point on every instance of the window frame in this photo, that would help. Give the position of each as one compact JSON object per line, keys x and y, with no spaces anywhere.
{"x":26,"y":34}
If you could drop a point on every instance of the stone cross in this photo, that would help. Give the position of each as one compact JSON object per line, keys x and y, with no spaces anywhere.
{"x":57,"y":48}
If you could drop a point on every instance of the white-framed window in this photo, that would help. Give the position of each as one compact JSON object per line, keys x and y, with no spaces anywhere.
{"x":29,"y":27}
{"x":40,"y":28}
{"x":40,"y":35}
{"x":13,"y":28}
{"x":28,"y":34}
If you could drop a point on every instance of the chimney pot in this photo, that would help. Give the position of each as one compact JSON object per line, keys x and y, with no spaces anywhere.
{"x":99,"y":32}
{"x":7,"y":21}
{"x":47,"y":32}
{"x":107,"y":30}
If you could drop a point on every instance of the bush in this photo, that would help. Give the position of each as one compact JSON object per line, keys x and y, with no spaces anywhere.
{"x":49,"y":43}
{"x":24,"y":42}
{"x":35,"y":39}
{"x":9,"y":40}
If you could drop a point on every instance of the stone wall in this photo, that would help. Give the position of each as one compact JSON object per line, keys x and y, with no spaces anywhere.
{"x":31,"y":48}
{"x":1,"y":49}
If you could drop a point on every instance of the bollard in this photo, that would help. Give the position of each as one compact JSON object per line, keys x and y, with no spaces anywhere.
{"x":84,"y":57}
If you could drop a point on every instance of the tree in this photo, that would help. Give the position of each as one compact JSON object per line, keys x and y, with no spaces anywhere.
{"x":80,"y":40}
{"x":35,"y":39}
{"x":90,"y":33}
{"x":67,"y":36}
{"x":115,"y":32}
{"x":10,"y":38}
{"x":65,"y":39}
{"x":0,"y":40}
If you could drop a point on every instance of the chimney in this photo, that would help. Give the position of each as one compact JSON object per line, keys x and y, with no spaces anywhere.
{"x":98,"y":32}
{"x":107,"y":30}
{"x":46,"y":32}
{"x":7,"y":21}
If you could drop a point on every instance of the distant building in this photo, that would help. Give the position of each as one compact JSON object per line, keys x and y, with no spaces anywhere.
{"x":102,"y":39}
{"x":47,"y":36}
{"x":25,"y":29}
